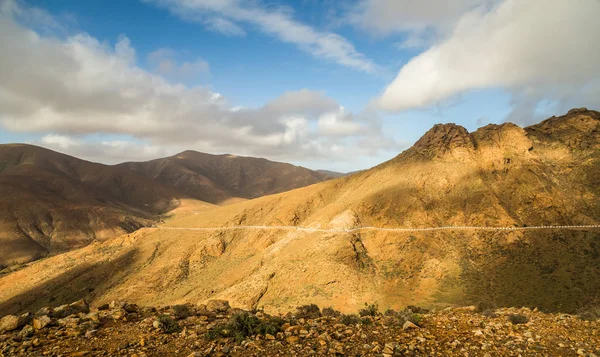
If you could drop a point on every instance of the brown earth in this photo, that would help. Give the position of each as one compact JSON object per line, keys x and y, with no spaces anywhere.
{"x":52,"y":202}
{"x":124,"y":329}
{"x":500,"y":175}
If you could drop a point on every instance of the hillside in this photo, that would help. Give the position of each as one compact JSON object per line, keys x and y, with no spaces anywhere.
{"x":219,"y":178}
{"x":53,"y":202}
{"x":497,"y":176}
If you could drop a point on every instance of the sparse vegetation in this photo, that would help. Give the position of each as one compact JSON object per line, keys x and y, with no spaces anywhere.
{"x":330,"y":312}
{"x":486,"y":308}
{"x":349,"y":319}
{"x":366,"y":321}
{"x":589,"y":314}
{"x":243,"y":325}
{"x":182,"y":311}
{"x":311,"y":311}
{"x":369,"y":310}
{"x":517,"y":319}
{"x":168,"y":325}
{"x":398,"y":318}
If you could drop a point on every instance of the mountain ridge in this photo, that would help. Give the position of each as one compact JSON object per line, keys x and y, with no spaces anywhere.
{"x":54,"y":201}
{"x":499,"y":175}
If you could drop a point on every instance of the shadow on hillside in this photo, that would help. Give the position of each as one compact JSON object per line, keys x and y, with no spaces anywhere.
{"x":85,"y":281}
{"x":555,"y":272}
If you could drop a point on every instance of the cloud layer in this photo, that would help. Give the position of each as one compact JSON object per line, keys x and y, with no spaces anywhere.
{"x":70,"y":89}
{"x":228,"y":17}
{"x":536,"y":49}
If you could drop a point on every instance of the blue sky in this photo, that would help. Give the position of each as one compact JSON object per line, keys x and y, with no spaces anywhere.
{"x":320,"y":83}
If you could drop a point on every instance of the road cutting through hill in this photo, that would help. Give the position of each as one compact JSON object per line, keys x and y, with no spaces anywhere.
{"x":368,"y":228}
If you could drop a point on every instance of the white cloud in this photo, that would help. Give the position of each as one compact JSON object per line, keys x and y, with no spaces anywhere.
{"x":536,"y":49}
{"x":68,"y":89}
{"x":224,"y":26}
{"x":339,"y":123}
{"x":163,"y":62}
{"x":60,"y":141}
{"x":274,"y":21}
{"x":384,"y":17}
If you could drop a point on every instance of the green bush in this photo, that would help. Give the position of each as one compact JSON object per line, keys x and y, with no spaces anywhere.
{"x":244,"y":325}
{"x":516,"y":319}
{"x":390,"y":312}
{"x":168,"y":325}
{"x":589,"y":313}
{"x":416,"y":319}
{"x":366,"y":321}
{"x":369,"y":310}
{"x":349,"y":319}
{"x":311,"y":311}
{"x":331,"y":312}
{"x":398,"y":318}
{"x":182,"y":311}
{"x":484,"y":306}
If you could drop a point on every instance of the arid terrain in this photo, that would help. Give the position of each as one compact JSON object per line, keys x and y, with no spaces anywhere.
{"x":497,"y":176}
{"x":216,"y":329}
{"x":53,"y":202}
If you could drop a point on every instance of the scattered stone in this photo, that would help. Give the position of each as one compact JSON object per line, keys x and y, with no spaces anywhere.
{"x":27,"y":331}
{"x":45,"y":311}
{"x":10,"y":323}
{"x":217,"y":305}
{"x":409,"y":326}
{"x":41,"y":322}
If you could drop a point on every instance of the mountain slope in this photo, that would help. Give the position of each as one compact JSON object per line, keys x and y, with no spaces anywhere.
{"x":497,"y":176}
{"x":218,"y":178}
{"x":53,"y":202}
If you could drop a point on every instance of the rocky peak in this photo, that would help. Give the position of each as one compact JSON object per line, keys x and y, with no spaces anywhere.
{"x":443,"y":139}
{"x":578,"y":129}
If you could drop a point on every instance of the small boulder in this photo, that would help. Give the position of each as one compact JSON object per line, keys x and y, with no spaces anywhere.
{"x":409,"y":326}
{"x":45,"y":311}
{"x":115,"y":304}
{"x":80,"y":306}
{"x":70,"y":322}
{"x":130,"y":308}
{"x":61,"y":311}
{"x":27,"y":331}
{"x":103,"y":307}
{"x":41,"y":322}
{"x":217,"y":305}
{"x":10,"y":323}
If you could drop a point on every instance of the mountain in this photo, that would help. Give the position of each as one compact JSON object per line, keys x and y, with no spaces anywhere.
{"x":497,"y":176}
{"x":53,"y":202}
{"x":333,"y":174}
{"x":219,"y":178}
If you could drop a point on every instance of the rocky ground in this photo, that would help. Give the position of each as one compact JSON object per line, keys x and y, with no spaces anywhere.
{"x":215,"y":329}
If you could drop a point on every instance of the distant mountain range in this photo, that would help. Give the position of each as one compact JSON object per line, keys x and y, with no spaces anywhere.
{"x":53,"y":202}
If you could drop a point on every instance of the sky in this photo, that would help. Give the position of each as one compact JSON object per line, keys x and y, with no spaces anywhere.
{"x":337,"y":85}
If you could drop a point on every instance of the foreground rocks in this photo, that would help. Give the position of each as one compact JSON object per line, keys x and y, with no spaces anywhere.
{"x":121,"y":329}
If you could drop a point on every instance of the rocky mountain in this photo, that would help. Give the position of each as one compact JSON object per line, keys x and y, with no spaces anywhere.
{"x":53,"y":202}
{"x":219,"y":178}
{"x":497,"y":176}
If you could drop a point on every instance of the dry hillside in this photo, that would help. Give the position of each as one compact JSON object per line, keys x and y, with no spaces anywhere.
{"x":499,"y":175}
{"x":53,"y":202}
{"x":218,"y":178}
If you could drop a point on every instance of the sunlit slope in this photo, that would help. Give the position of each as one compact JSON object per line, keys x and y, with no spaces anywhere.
{"x":498,"y":176}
